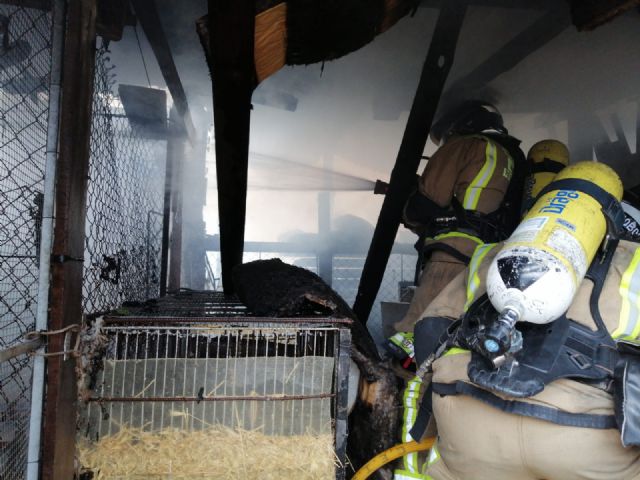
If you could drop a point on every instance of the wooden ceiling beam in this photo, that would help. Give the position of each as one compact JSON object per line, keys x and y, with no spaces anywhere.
{"x":531,"y":39}
{"x":149,"y":19}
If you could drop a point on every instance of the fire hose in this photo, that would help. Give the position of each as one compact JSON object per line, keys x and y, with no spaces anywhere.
{"x":390,"y":455}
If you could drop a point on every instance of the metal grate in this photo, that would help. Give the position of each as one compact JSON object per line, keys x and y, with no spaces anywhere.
{"x":25,"y":63}
{"x":282,"y":377}
{"x":124,"y":202}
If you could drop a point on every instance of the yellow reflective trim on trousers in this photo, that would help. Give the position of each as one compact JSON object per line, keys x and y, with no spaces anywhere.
{"x":434,"y":455}
{"x":473,"y":279}
{"x":481,"y":180}
{"x":629,"y":324}
{"x":406,"y":475}
{"x":410,"y":404}
{"x":454,"y":351}
{"x":458,"y":235}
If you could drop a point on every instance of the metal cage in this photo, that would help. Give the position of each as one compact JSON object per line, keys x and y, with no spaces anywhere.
{"x":282,"y":377}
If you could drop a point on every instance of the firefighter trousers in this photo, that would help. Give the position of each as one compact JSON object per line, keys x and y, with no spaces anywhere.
{"x":479,"y":442}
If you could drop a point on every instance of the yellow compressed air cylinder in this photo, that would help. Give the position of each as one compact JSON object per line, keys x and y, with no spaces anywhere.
{"x":545,"y":159}
{"x":538,"y":271}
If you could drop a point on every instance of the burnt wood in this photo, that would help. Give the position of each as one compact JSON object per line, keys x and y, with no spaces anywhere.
{"x":590,"y":14}
{"x":35,"y":4}
{"x":69,"y":236}
{"x":111,"y":17}
{"x":231,"y":23}
{"x":434,"y":74}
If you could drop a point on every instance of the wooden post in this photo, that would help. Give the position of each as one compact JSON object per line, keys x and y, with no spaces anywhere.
{"x":69,"y":236}
{"x":231,"y":24}
{"x":434,"y":74}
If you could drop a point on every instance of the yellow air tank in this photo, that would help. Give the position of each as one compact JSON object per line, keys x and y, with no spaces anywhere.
{"x":537,"y":272}
{"x":544,"y":160}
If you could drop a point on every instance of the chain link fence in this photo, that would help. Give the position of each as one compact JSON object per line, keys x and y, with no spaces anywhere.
{"x":124,"y":202}
{"x":25,"y":64}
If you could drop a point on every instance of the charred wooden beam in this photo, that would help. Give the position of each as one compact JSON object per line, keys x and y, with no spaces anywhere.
{"x":69,"y":235}
{"x":147,"y":14}
{"x":231,"y":23}
{"x":35,"y":4}
{"x":434,"y":74}
{"x":590,"y":14}
{"x":531,"y":39}
{"x":111,"y":18}
{"x":514,"y":4}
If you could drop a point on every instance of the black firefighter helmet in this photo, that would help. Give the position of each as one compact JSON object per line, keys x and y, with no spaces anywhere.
{"x":471,"y":116}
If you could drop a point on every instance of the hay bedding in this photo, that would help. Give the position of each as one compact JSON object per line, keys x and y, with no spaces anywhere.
{"x":214,"y":453}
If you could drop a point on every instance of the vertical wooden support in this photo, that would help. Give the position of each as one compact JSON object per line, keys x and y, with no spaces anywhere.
{"x":166,"y":217}
{"x":69,"y":236}
{"x":231,"y":23}
{"x":193,"y":200}
{"x":325,"y":254}
{"x":175,"y":245}
{"x":171,"y":254}
{"x":434,"y":74}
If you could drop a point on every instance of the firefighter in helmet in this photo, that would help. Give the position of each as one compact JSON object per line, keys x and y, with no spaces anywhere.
{"x":469,"y":193}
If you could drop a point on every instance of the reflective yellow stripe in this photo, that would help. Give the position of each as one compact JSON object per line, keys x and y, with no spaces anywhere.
{"x":405,"y":475}
{"x":434,"y":455}
{"x":481,"y":180}
{"x":454,"y":351}
{"x":629,"y":326}
{"x":458,"y":235}
{"x":410,"y":404}
{"x":473,"y":279}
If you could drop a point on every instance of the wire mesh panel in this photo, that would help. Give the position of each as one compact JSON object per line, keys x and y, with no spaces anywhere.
{"x":125,"y":200}
{"x":25,"y":63}
{"x":264,"y":391}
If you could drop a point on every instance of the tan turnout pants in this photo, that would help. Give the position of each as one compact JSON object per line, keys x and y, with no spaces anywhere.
{"x":479,"y":442}
{"x":437,"y":273}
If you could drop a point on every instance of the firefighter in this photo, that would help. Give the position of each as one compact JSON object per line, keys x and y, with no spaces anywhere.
{"x":544,"y":160}
{"x":466,"y":195}
{"x":560,"y":399}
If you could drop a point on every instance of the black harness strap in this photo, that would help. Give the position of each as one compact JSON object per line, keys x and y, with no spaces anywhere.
{"x":424,"y":414}
{"x":583,"y":420}
{"x":546,"y":166}
{"x":597,"y":273}
{"x":611,"y":207}
{"x":448,"y":249}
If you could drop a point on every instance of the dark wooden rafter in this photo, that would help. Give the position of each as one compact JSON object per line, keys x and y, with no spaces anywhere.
{"x":69,"y":236}
{"x":231,"y":23}
{"x":588,"y":15}
{"x":512,"y":4}
{"x":35,"y":4}
{"x":531,"y":39}
{"x":149,"y":19}
{"x":434,"y":75}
